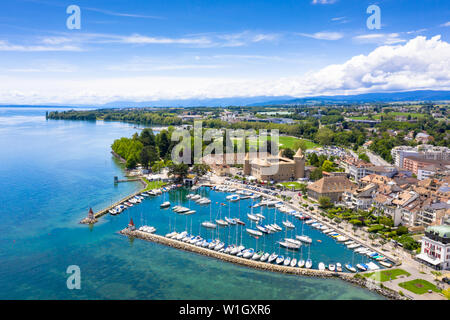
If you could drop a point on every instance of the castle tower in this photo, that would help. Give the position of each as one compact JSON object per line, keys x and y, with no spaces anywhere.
{"x":299,"y":160}
{"x":247,"y":165}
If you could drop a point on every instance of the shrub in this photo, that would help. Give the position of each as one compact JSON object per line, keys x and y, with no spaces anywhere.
{"x":376,"y":228}
{"x":356,"y":222}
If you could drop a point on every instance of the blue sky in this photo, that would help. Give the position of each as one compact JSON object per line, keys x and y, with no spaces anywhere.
{"x":148,"y":50}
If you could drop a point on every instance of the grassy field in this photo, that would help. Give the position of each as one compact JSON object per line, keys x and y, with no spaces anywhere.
{"x":154,"y":184}
{"x":386,"y":275}
{"x":285,"y":141}
{"x":378,"y":116}
{"x":288,"y":185}
{"x":419,"y":286}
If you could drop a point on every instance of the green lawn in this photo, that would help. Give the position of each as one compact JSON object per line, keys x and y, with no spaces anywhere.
{"x":378,"y":116}
{"x":287,"y":185}
{"x":284,"y":141}
{"x":154,"y":184}
{"x":419,"y":286}
{"x":386,"y":275}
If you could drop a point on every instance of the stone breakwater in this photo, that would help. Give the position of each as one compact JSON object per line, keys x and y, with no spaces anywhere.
{"x":106,"y":210}
{"x":358,"y":280}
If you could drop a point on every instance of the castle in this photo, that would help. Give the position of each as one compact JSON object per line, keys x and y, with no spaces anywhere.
{"x":275,"y":168}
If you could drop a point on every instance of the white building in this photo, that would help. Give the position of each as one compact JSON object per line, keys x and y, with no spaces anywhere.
{"x":424,"y":151}
{"x":435,"y":250}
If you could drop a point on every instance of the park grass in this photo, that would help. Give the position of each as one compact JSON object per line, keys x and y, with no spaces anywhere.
{"x":393,"y":113}
{"x":153,"y":184}
{"x":386,"y":275}
{"x":284,"y":142}
{"x":295,"y":183}
{"x":419,"y":286}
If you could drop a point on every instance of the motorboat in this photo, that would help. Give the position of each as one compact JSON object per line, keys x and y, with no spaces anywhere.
{"x":385,"y":264}
{"x":233,"y":198}
{"x":338,"y":267}
{"x":287,"y":261}
{"x":321,"y":266}
{"x":332,"y":267}
{"x":213,"y":244}
{"x":171,"y":234}
{"x":361,"y":267}
{"x":350,"y":268}
{"x":209,"y":225}
{"x":304,"y":238}
{"x":353,"y":246}
{"x":181,"y":235}
{"x":279,"y":259}
{"x":272,"y":257}
{"x":165,"y":204}
{"x":254,"y":233}
{"x":236,"y":250}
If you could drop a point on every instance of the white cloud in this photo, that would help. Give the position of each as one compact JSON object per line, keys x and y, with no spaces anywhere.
{"x":6,"y":46}
{"x":323,"y":1}
{"x":380,"y":38}
{"x":447,"y":24}
{"x":420,"y":63}
{"x":323,"y":35}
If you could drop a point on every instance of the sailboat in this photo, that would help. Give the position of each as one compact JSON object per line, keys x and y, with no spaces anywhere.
{"x":264,"y":257}
{"x":308,"y":263}
{"x":209,"y":224}
{"x":254,"y":233}
{"x":301,"y":263}
{"x":293,"y":262}
{"x":272,"y":257}
{"x":349,"y":267}
{"x":287,"y":261}
{"x":321,"y":266}
{"x":279,"y":259}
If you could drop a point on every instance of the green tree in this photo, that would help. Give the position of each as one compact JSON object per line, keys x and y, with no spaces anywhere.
{"x":327,"y":166}
{"x":325,"y":202}
{"x":316,"y":174}
{"x":325,"y":136}
{"x":201,"y":169}
{"x":288,"y":153}
{"x":364,"y":157}
{"x":179,"y":171}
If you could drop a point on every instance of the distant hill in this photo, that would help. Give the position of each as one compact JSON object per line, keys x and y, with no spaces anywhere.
{"x":420,"y":95}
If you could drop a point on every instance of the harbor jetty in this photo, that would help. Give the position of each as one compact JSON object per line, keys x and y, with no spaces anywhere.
{"x":356,"y":280}
{"x":92,"y":218}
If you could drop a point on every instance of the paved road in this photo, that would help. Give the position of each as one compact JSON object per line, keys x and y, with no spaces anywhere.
{"x":376,"y":160}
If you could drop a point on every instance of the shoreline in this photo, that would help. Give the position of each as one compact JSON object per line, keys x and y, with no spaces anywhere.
{"x":348,"y":277}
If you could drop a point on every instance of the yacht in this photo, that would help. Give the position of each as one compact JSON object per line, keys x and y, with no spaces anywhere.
{"x":254,"y":233}
{"x":209,"y":225}
{"x":304,"y":238}
{"x":338,"y":267}
{"x":221,"y":222}
{"x":331,"y":267}
{"x":165,"y":204}
{"x":288,"y":224}
{"x":253,"y":217}
{"x":289,"y":245}
{"x":230,"y":220}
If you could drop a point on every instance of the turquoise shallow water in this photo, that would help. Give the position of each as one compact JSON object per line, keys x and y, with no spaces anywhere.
{"x":51,"y":172}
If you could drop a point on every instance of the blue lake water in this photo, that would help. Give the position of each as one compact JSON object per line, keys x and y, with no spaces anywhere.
{"x":51,"y":172}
